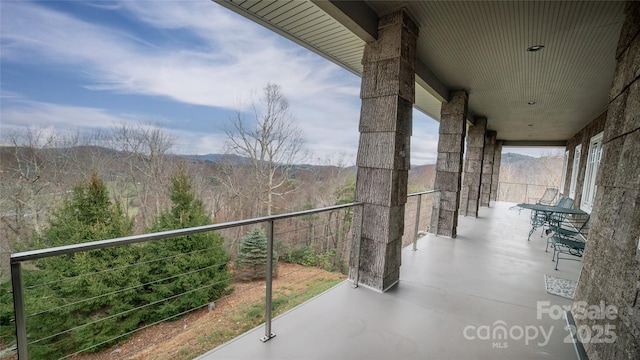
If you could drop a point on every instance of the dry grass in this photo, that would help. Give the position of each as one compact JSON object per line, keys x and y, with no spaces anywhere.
{"x":242,"y":310}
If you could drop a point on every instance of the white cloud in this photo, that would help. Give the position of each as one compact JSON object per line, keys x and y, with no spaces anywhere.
{"x":211,"y":57}
{"x":24,"y":113}
{"x":233,"y":56}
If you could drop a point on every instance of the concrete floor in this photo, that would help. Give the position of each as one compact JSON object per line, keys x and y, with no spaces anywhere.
{"x":452,"y":294}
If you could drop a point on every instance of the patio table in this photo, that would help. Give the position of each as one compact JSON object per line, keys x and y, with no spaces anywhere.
{"x":548,"y":211}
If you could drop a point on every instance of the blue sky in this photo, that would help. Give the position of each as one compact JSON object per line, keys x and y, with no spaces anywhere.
{"x":187,"y":65}
{"x":69,"y":66}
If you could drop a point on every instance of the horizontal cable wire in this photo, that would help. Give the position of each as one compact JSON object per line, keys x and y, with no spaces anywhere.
{"x":127,"y":311}
{"x":322,"y":230}
{"x":122,"y":290}
{"x":112,"y":269}
{"x":168,"y":336}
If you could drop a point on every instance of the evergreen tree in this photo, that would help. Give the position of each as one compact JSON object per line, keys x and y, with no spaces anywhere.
{"x":193,"y":265}
{"x":67,"y":291}
{"x":252,"y":257}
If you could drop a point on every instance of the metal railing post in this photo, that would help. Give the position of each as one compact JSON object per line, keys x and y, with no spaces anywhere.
{"x":417,"y":227}
{"x":18,"y":308}
{"x":269,"y":284}
{"x":358,"y":235}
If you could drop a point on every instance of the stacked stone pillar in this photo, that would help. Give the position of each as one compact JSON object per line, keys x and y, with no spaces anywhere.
{"x":473,"y":168}
{"x":453,"y":117}
{"x":487,"y":168}
{"x":611,"y":264}
{"x":383,"y":160}
{"x":495,"y":177}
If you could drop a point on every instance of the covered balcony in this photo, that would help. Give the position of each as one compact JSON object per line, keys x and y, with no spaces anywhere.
{"x":478,"y":296}
{"x":494,"y":74}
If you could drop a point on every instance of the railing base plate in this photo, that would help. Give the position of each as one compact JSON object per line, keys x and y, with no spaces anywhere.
{"x":267,"y":338}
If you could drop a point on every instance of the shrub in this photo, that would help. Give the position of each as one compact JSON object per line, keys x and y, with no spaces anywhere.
{"x":251,"y":263}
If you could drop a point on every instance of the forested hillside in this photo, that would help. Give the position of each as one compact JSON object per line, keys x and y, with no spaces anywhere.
{"x":525,"y":178}
{"x":37,"y":173}
{"x":59,"y":191}
{"x":35,"y":179}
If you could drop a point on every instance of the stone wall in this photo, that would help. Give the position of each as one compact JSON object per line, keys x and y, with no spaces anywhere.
{"x":611,"y":264}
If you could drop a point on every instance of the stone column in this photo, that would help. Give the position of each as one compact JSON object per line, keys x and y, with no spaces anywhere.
{"x":453,"y":117}
{"x":611,"y":264}
{"x":383,"y":161}
{"x":473,"y":168}
{"x":495,"y":177}
{"x":487,"y":168}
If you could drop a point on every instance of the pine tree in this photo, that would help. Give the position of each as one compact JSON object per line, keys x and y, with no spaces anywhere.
{"x":73,"y":284}
{"x":193,"y":265}
{"x":252,"y":257}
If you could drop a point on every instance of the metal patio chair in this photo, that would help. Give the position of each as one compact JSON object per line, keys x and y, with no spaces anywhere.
{"x":540,"y":218}
{"x":568,"y":238}
{"x":548,"y":196}
{"x":557,"y":219}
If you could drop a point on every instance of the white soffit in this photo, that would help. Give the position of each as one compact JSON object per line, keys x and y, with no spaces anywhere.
{"x":479,"y":46}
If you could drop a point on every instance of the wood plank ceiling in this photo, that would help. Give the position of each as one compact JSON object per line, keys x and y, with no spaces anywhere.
{"x":481,"y":47}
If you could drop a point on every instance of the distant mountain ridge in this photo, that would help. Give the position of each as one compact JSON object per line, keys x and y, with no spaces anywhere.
{"x":511,"y":158}
{"x":508,"y":158}
{"x":216,"y":158}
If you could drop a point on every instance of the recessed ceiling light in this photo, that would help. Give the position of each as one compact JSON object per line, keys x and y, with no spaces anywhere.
{"x":535,"y":48}
{"x":531,"y":103}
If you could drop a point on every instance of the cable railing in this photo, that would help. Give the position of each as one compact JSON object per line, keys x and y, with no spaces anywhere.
{"x":319,"y":238}
{"x":417,"y":216}
{"x":50,"y":314}
{"x":520,"y":192}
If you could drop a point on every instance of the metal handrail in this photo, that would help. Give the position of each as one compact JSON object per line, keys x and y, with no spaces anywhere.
{"x":527,"y":186}
{"x":417,"y":224}
{"x":18,"y":258}
{"x":512,"y":183}
{"x":102,"y":244}
{"x":422,"y":193}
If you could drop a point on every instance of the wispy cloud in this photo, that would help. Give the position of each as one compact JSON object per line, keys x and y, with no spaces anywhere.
{"x":23,"y":112}
{"x":65,"y":122}
{"x":231,"y":58}
{"x":188,"y":52}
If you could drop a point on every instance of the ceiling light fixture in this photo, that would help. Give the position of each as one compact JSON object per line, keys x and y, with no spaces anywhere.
{"x":535,"y":48}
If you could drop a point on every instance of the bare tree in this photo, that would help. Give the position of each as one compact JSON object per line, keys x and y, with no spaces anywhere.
{"x":87,"y":153}
{"x":29,"y":186}
{"x":27,"y":166}
{"x":145,"y":148}
{"x":272,"y":143}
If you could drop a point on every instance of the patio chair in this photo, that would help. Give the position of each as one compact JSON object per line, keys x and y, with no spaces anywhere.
{"x":540,"y":218}
{"x":548,"y":196}
{"x":568,"y":239}
{"x":569,"y":227}
{"x":557,"y":219}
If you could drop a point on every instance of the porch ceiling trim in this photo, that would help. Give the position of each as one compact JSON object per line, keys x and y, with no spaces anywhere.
{"x":545,"y":96}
